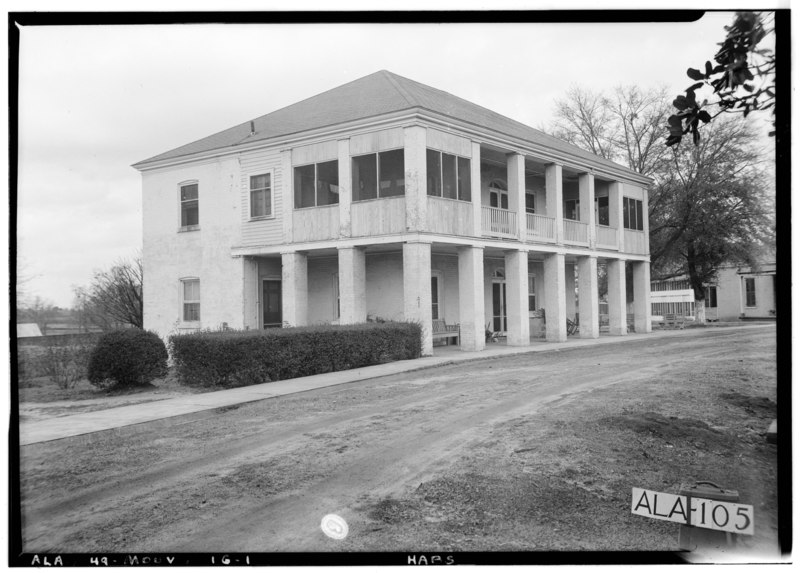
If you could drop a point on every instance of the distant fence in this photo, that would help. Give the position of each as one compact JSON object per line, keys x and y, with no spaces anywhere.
{"x":61,"y":338}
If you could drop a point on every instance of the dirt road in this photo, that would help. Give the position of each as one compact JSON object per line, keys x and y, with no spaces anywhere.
{"x":389,"y":455}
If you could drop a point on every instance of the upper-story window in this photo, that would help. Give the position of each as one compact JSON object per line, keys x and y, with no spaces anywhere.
{"x":530,"y":202}
{"x":449,"y":176}
{"x":380,"y":174}
{"x":498,"y":194}
{"x":316,"y":184}
{"x":601,"y":210}
{"x":261,"y":195}
{"x":632,"y":214}
{"x":190,"y":206}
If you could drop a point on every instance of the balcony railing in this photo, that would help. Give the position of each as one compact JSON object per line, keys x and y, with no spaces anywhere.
{"x":498,"y":222}
{"x":635,"y":242}
{"x":576,"y":232}
{"x":378,"y":217}
{"x":316,"y":223}
{"x":449,"y":216}
{"x":607,"y":237}
{"x":540,"y":228}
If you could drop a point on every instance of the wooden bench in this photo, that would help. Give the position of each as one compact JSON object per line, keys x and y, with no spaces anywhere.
{"x":441,"y":330}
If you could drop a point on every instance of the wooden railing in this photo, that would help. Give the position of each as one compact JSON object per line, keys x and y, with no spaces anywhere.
{"x":635,"y":242}
{"x":576,"y":232}
{"x":316,"y":223}
{"x":378,"y":217}
{"x":449,"y":216}
{"x":498,"y":222}
{"x":606,"y":237}
{"x":540,"y":228}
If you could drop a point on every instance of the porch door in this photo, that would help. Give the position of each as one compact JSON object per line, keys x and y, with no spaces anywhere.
{"x":499,"y":319}
{"x":271,"y":303}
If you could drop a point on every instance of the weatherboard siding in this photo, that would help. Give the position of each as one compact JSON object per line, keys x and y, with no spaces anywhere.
{"x":261,"y":231}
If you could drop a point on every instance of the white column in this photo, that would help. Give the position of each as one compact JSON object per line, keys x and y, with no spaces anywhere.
{"x":515,"y":168}
{"x":641,"y":297}
{"x":287,"y":195}
{"x":617,"y":315}
{"x":554,"y":199}
{"x":345,"y":188}
{"x":352,"y":285}
{"x":475,"y":178}
{"x":615,"y":212}
{"x":516,"y":266}
{"x":250,"y":285}
{"x":294,"y":288}
{"x":588,"y":303}
{"x":471,"y":298}
{"x":417,"y":289}
{"x":586,"y":196}
{"x":416,"y":167}
{"x":555,"y":313}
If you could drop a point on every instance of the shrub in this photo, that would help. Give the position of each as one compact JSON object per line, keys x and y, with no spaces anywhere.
{"x":241,"y":358}
{"x":125,"y":358}
{"x":65,"y":360}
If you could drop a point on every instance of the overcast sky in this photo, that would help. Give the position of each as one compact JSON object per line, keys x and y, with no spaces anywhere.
{"x":95,"y":99}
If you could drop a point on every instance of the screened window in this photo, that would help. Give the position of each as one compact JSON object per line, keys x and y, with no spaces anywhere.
{"x":750,"y":291}
{"x":571,"y":209}
{"x":379,"y":175}
{"x":191,"y":300}
{"x":190,"y":208}
{"x":601,"y":210}
{"x":448,"y":176}
{"x":316,"y":184}
{"x":632,"y":215}
{"x":261,"y":195}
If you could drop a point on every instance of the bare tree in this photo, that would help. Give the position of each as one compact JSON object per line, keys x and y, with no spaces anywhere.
{"x":40,"y":311}
{"x":114,"y":296}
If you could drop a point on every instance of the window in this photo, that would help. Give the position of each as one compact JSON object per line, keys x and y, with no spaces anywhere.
{"x":261,"y":195}
{"x":711,"y":297}
{"x":316,"y":184}
{"x":449,"y":176}
{"x":498,"y":194}
{"x":632,"y":216}
{"x":750,"y":291}
{"x":190,"y":212}
{"x":436,"y":301}
{"x":379,"y":175}
{"x":601,"y":210}
{"x":572,"y":209}
{"x":191,"y":300}
{"x":531,"y":293}
{"x":530,"y":203}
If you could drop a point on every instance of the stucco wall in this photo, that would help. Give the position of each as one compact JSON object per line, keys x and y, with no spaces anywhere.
{"x":731,"y":296}
{"x":170,"y":255}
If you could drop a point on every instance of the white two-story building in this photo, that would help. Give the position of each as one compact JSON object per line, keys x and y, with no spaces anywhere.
{"x":387,"y":198}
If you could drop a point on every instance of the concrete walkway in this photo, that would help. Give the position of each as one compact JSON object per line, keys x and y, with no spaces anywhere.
{"x":129,"y":419}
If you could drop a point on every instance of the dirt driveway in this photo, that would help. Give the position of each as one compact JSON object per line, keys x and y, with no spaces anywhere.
{"x":535,"y":452}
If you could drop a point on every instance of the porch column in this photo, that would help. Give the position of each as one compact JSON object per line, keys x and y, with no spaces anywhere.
{"x":352,"y":285}
{"x":554,"y":199}
{"x":519,"y":329}
{"x":416,"y":167}
{"x":417,"y":289}
{"x":555,"y":313}
{"x":515,"y":168}
{"x":345,"y":189}
{"x":615,"y":218}
{"x":287,"y":193}
{"x":586,"y":197}
{"x":471,"y":298}
{"x":475,"y":188}
{"x":588,"y":302}
{"x":617,"y":315}
{"x":294,"y":288}
{"x":251,"y":287}
{"x":641,"y":297}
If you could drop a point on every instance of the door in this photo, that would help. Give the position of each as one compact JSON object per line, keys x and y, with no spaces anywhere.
{"x":499,"y":322}
{"x":271,"y":303}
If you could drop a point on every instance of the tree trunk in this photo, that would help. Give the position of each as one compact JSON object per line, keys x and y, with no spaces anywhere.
{"x":699,"y":311}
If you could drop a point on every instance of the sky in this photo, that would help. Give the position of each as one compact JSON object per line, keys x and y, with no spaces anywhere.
{"x":96,"y":99}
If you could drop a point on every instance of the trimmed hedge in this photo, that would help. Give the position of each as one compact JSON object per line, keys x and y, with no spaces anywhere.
{"x":241,"y":358}
{"x":130,"y":357}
